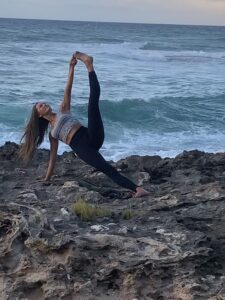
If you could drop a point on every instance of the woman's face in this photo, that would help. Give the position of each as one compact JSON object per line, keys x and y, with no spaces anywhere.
{"x":43,"y":109}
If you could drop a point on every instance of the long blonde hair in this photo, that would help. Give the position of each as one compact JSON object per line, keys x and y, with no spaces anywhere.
{"x":33,"y":135}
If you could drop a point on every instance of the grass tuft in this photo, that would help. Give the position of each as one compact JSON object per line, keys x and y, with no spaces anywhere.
{"x":87,"y":212}
{"x":128,"y":214}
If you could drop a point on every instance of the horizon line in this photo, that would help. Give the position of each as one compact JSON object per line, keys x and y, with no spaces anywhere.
{"x":114,"y":22}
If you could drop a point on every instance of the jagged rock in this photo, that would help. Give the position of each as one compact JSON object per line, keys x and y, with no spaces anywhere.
{"x":98,"y":228}
{"x":123,"y":230}
{"x":170,"y":245}
{"x":138,"y":163}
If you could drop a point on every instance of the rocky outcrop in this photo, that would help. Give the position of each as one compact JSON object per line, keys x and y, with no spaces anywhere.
{"x":170,"y":245}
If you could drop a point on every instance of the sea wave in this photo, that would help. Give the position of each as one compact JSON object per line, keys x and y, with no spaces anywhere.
{"x":162,"y":87}
{"x":127,"y":141}
{"x":181,"y":53}
{"x":168,"y":114}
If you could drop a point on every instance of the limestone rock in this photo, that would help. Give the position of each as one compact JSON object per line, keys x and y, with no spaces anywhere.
{"x":170,"y":245}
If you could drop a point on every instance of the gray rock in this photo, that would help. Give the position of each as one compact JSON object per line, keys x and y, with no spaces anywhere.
{"x":98,"y":228}
{"x":171,"y":245}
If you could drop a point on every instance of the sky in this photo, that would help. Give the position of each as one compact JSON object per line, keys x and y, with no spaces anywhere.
{"x":191,"y":12}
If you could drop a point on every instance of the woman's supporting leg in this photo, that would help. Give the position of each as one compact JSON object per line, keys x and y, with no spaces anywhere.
{"x":92,"y":157}
{"x":96,"y":160}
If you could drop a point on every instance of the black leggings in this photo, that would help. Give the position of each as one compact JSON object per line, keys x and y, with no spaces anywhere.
{"x":88,"y":140}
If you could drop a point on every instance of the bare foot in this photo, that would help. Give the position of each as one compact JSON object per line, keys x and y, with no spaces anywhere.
{"x":140,"y":192}
{"x":86,"y":59}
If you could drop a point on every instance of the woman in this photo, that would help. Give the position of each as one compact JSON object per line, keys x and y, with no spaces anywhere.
{"x":84,"y":141}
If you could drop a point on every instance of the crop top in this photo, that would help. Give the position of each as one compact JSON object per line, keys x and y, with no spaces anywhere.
{"x":63,"y":125}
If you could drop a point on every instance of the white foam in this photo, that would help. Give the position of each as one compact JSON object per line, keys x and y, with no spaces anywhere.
{"x":146,"y":143}
{"x":165,"y":145}
{"x":13,"y":135}
{"x":126,"y":142}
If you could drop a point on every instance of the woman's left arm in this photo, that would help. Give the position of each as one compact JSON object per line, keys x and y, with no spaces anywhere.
{"x":65,"y":106}
{"x":53,"y":155}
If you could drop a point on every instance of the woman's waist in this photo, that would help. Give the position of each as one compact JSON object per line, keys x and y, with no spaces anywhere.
{"x":76,"y":127}
{"x":78,"y":135}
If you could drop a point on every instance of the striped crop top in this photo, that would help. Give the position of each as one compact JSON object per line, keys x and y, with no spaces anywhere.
{"x":63,"y":125}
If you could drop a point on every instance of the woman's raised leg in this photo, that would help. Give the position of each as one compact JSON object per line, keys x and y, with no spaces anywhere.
{"x":95,"y":124}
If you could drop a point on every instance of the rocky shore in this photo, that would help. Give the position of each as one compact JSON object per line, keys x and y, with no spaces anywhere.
{"x":169,"y":245}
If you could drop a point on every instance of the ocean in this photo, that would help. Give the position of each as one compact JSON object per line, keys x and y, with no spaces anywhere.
{"x":162,"y":86}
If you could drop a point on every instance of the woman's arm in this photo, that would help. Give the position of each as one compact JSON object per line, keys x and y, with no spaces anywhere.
{"x":65,"y":106}
{"x":53,"y":154}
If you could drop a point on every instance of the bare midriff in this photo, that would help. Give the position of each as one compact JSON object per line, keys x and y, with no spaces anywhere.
{"x":73,"y":131}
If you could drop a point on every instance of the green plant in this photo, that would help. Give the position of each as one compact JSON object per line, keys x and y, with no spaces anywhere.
{"x":88,"y":212}
{"x":128,"y":214}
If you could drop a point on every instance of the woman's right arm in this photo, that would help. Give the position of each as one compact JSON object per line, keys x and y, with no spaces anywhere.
{"x":65,"y":106}
{"x":53,"y":155}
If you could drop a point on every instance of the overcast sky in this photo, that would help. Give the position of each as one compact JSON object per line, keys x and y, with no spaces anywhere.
{"x":205,"y":12}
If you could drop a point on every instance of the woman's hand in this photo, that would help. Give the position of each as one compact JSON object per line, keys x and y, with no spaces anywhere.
{"x":73,"y":61}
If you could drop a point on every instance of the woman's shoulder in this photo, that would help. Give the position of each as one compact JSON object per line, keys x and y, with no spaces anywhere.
{"x":67,"y":112}
{"x":60,"y":114}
